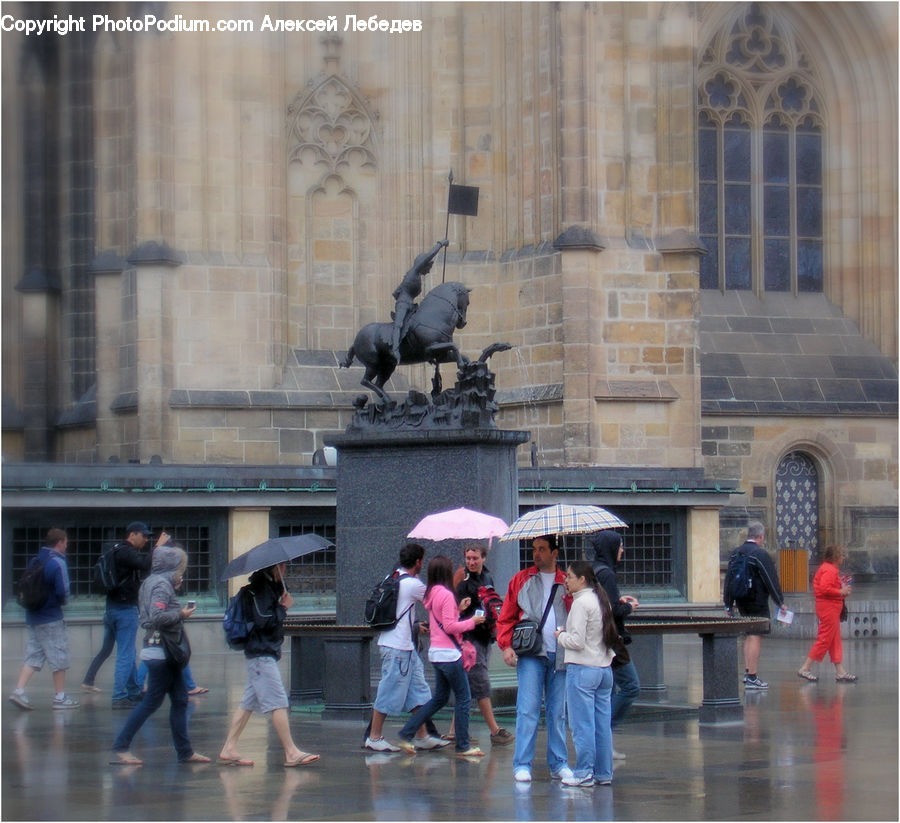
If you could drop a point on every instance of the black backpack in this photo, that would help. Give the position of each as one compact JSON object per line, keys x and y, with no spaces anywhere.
{"x":106,"y":573}
{"x":381,"y":607}
{"x":740,"y":577}
{"x":31,"y":590}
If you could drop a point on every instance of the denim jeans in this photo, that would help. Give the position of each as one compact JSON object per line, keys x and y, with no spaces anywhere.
{"x":626,"y":688}
{"x":124,"y":622}
{"x":109,"y":642}
{"x":189,"y":683}
{"x":539,"y":679}
{"x":447,"y":677}
{"x":163,"y":679}
{"x":588,"y":691}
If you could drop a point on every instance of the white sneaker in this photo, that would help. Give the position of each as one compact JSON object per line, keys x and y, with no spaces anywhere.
{"x":379,"y":744}
{"x":583,"y":782}
{"x":429,"y":742}
{"x":523,"y":776}
{"x":618,"y":755}
{"x":565,"y":773}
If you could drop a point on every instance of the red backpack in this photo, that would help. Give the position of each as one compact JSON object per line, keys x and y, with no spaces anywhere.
{"x":491,"y":602}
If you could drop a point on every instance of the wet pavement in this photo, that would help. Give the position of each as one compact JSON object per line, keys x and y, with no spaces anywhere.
{"x":823,"y":751}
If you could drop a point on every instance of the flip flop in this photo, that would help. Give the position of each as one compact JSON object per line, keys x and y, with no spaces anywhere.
{"x":197,"y":690}
{"x":131,"y":760}
{"x":234,"y":761}
{"x":87,"y":687}
{"x":304,"y":760}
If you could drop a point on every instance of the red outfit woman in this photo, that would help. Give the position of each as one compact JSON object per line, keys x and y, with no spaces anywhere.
{"x":829,"y":601}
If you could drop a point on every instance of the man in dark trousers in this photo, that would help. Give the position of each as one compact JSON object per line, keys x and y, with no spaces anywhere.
{"x":132,"y":564}
{"x":608,"y":553}
{"x":757,"y":604}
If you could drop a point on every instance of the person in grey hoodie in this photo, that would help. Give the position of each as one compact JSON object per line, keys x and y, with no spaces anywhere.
{"x":608,"y":553}
{"x":160,"y":611}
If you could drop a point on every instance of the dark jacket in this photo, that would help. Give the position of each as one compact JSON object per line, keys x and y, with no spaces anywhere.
{"x":468,"y":587}
{"x":766,"y":573}
{"x":263,"y":594}
{"x":56,"y":584}
{"x":132,"y":565}
{"x":606,"y":546}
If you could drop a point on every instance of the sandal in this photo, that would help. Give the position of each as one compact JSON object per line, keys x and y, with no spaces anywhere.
{"x":233,"y":761}
{"x":846,"y":678}
{"x":196,"y":758}
{"x":197,"y":690}
{"x":303,"y":760}
{"x":126,"y":759}
{"x":806,"y":674}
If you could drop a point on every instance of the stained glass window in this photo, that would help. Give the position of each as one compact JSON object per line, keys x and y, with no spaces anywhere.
{"x":759,"y":149}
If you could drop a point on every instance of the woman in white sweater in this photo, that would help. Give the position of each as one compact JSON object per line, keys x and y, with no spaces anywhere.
{"x":587,"y":639}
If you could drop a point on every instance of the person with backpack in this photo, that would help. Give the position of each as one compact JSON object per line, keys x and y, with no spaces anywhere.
{"x":609,"y":550}
{"x":48,"y":641}
{"x":264,"y":604}
{"x":474,"y":583}
{"x":402,"y":687}
{"x":126,"y":565}
{"x":750,"y":592}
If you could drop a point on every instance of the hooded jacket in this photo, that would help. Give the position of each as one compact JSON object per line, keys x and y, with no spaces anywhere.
{"x":56,"y":584}
{"x":159,"y":606}
{"x":606,"y":546}
{"x":263,"y":594}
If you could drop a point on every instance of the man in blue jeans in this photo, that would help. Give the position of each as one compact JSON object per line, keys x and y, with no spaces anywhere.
{"x":132,"y":564}
{"x":541,"y":677}
{"x":608,"y":553}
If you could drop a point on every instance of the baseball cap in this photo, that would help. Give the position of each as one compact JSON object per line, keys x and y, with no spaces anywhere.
{"x":138,"y":526}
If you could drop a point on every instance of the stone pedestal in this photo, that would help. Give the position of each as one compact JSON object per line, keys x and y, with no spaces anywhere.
{"x":389,"y":480}
{"x":721,"y":690}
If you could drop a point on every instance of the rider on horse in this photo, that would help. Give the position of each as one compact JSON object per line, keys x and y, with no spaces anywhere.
{"x":408,"y":290}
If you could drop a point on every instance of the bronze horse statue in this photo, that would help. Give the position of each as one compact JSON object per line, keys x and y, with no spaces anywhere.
{"x":427,"y":337}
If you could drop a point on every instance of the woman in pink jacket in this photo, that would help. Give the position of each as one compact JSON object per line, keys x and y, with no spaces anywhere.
{"x":830,"y":590}
{"x":445,"y":655}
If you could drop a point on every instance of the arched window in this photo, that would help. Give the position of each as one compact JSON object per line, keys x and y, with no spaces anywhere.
{"x":759,"y":150}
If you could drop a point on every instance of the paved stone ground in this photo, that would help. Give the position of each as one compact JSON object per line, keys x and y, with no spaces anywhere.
{"x":823,"y":751}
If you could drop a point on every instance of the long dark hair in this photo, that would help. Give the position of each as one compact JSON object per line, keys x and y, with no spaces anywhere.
{"x":581,"y":568}
{"x":440,"y":573}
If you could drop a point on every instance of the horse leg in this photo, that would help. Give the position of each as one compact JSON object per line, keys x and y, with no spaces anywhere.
{"x":435,"y":349}
{"x":348,"y":360}
{"x":437,"y":385}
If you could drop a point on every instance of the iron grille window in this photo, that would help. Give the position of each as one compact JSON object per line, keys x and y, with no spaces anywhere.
{"x":650,"y":563}
{"x":314,"y":573}
{"x":86,"y":543}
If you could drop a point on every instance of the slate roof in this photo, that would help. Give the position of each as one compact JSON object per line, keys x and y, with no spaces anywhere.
{"x":787,"y":355}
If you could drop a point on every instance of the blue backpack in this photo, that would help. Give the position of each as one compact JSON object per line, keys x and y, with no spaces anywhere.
{"x":237,"y":622}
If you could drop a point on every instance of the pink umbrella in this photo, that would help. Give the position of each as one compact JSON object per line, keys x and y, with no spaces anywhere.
{"x":459,"y":524}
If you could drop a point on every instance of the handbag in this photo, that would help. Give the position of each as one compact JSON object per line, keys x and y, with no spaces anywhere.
{"x":526,"y":637}
{"x":466,"y":648}
{"x":174,"y":643}
{"x":845,"y":615}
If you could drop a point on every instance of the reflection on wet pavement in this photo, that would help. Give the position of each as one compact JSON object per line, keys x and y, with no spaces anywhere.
{"x":823,"y":751}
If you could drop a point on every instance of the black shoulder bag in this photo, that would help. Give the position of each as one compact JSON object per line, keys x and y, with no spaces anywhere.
{"x":526,"y":636}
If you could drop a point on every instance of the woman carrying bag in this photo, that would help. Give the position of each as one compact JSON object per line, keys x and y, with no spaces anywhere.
{"x":830,"y":590}
{"x":445,"y":654}
{"x":166,"y":653}
{"x":588,"y":640}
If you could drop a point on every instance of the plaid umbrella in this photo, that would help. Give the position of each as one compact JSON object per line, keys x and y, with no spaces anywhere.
{"x":563,"y":519}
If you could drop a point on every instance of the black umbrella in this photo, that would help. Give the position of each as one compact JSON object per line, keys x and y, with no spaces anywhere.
{"x":276,"y":550}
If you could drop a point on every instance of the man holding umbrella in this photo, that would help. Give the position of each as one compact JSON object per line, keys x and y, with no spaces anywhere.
{"x":533,"y":593}
{"x":266,"y":601}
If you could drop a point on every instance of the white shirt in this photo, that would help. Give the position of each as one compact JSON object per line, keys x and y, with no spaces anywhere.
{"x":400,"y":637}
{"x":549,"y":630}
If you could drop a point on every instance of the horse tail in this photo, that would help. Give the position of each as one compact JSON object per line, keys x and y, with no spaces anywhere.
{"x":348,"y":360}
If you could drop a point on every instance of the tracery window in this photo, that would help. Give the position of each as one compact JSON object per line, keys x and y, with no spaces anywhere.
{"x":759,"y":150}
